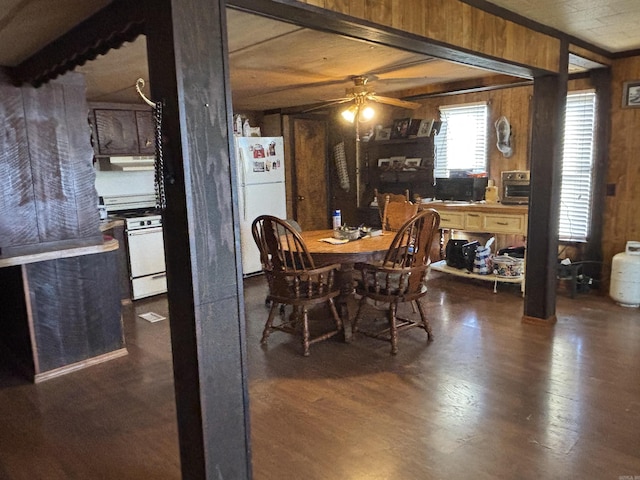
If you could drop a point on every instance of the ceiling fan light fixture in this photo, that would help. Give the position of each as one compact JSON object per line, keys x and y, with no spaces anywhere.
{"x":367,"y":114}
{"x":349,"y":114}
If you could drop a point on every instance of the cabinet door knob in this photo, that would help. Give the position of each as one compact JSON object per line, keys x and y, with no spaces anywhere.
{"x":300,"y":197}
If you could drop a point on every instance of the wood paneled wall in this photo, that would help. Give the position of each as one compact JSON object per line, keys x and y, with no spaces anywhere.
{"x":458,"y":24}
{"x":622,"y":210}
{"x":513,"y":103}
{"x":48,"y":195}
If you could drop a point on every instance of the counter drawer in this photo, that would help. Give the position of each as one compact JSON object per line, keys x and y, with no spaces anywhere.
{"x":473,"y":222}
{"x":513,"y":224}
{"x":453,"y":220}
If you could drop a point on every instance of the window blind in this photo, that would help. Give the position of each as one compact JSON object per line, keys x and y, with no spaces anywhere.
{"x":577,"y":166}
{"x":462,"y":141}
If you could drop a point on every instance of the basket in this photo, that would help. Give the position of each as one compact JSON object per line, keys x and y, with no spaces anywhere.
{"x":508,"y":267}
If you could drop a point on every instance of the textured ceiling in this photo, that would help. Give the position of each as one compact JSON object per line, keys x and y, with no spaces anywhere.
{"x":613,"y":25}
{"x":274,"y":64}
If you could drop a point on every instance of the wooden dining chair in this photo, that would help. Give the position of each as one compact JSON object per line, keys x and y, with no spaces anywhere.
{"x":401,"y":277}
{"x":293,"y":279}
{"x":383,"y":198}
{"x":396,"y":214}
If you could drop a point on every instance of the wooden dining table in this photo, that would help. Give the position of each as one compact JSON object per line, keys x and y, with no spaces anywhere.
{"x":368,"y":249}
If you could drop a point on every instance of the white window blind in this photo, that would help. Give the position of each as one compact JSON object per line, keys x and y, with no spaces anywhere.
{"x":462,"y":141}
{"x":577,"y":166}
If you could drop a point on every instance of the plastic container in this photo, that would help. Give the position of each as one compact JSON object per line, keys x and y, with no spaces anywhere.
{"x":337,"y":219}
{"x":508,"y":267}
{"x":624,"y":288}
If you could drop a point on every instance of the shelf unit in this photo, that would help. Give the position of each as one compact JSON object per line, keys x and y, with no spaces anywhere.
{"x":419,"y":181}
{"x":442,"y":266}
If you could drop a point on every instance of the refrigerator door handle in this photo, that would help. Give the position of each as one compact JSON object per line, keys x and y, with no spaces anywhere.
{"x":243,"y":183}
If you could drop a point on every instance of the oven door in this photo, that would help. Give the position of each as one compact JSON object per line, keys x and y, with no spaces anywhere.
{"x":146,"y":262}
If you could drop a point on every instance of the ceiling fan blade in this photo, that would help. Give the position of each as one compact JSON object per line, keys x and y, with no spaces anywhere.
{"x":396,"y":102}
{"x":328,"y":104}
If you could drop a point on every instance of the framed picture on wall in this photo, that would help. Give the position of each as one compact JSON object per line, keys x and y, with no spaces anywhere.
{"x":631,"y":94}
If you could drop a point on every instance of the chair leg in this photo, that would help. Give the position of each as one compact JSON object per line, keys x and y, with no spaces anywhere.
{"x":336,"y":316}
{"x":356,"y":320}
{"x":425,"y":321}
{"x":305,"y":332}
{"x":393,"y":328}
{"x":269,"y":324}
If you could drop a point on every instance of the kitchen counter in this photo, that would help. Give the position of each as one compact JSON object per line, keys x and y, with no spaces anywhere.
{"x":110,"y":223}
{"x":109,"y":244}
{"x":61,"y":309}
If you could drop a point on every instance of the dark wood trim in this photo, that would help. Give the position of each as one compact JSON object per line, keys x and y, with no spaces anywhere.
{"x":549,"y":100}
{"x":533,"y":25}
{"x":468,"y":86}
{"x":601,"y":81}
{"x":119,"y":22}
{"x":321,"y":19}
{"x":626,"y":54}
{"x":547,"y":322}
{"x":189,"y":73}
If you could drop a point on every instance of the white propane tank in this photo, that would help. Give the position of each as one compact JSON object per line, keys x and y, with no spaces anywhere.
{"x":625,"y":276}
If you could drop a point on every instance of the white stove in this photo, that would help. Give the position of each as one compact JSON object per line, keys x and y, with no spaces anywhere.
{"x":145,"y":249}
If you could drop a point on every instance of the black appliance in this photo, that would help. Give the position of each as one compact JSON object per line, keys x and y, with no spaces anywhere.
{"x":469,"y":189}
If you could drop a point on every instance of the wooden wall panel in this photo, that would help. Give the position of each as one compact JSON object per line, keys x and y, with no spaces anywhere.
{"x":457,"y":24}
{"x":48,"y":146}
{"x":514,"y":103}
{"x":622,"y":215}
{"x":80,"y":156}
{"x":17,"y":206}
{"x":47,"y":154}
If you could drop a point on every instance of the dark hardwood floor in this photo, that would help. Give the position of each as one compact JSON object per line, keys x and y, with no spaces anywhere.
{"x":489,"y":398}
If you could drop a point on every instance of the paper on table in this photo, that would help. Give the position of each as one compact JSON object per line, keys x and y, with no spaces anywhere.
{"x":334,"y":241}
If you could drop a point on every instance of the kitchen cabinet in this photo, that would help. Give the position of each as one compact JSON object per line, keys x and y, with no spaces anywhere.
{"x":485,"y":218}
{"x":396,"y":179}
{"x":482,"y":217}
{"x":122,"y":129}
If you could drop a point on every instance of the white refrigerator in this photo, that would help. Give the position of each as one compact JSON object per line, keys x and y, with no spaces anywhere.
{"x":260,"y":163}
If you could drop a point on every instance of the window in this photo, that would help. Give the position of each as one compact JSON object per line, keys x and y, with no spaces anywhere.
{"x":462,"y":141}
{"x":577,"y":167}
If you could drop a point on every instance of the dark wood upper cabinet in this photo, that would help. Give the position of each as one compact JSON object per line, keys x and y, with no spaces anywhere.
{"x":122,"y":129}
{"x":146,"y":133}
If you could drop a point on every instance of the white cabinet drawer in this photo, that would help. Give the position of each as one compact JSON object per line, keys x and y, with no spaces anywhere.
{"x":513,"y":224}
{"x":150,"y":285}
{"x":453,"y":220}
{"x":473,"y":222}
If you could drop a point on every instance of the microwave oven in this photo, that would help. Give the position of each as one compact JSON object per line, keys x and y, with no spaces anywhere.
{"x":516,"y":187}
{"x":468,"y":189}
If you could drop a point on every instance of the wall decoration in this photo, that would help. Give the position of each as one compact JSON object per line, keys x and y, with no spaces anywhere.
{"x":631,"y":94}
{"x":424,"y":130}
{"x":400,"y":128}
{"x":383,"y":134}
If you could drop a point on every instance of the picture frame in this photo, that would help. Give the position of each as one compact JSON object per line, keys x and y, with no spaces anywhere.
{"x":414,"y":126}
{"x":412,"y":162}
{"x":384,"y":162}
{"x":383,"y":133}
{"x":397,"y":162}
{"x":631,"y":94}
{"x":400,"y":128}
{"x":424,"y":130}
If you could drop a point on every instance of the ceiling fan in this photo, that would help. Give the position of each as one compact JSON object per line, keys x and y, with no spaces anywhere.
{"x":360,"y":94}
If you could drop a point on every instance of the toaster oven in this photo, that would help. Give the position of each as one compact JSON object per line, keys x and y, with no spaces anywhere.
{"x":516,"y":187}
